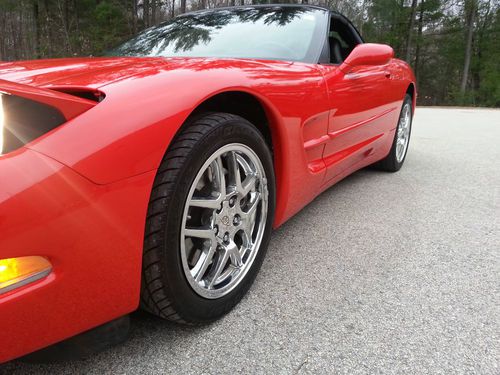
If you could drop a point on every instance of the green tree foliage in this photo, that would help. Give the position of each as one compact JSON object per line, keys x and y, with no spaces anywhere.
{"x":435,"y":36}
{"x":386,"y":23}
{"x":487,"y":64}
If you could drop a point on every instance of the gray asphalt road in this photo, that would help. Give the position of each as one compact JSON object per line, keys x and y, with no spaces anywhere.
{"x":383,"y":273}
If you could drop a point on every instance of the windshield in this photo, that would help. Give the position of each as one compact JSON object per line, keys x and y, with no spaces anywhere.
{"x":274,"y":33}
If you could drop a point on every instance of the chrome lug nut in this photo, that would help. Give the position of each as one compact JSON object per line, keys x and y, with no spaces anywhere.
{"x":236,"y":220}
{"x":226,"y":238}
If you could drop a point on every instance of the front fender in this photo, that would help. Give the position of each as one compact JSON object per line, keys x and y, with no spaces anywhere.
{"x":92,"y":239}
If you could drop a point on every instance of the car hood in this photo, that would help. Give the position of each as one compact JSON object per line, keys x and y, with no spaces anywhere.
{"x":82,"y":72}
{"x":95,"y":73}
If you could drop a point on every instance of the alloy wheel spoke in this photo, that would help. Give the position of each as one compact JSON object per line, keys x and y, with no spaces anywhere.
{"x":253,"y":208}
{"x":247,"y":241}
{"x":248,"y":184}
{"x":248,"y":219}
{"x":234,"y":254}
{"x":206,"y":233}
{"x":201,"y":267}
{"x":220,"y":175}
{"x":205,"y":203}
{"x":234,"y":170}
{"x":219,"y":267}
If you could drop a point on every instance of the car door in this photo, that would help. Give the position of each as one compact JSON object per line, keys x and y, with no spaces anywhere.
{"x":358,"y":99}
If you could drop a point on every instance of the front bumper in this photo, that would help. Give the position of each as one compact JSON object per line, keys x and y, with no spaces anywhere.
{"x":91,"y":234}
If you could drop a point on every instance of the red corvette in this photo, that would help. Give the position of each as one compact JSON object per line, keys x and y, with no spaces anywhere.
{"x":154,"y":176}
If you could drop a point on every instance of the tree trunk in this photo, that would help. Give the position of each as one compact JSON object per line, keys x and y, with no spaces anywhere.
{"x":134,"y":16}
{"x":419,"y":39}
{"x":36,"y":19}
{"x":411,"y":24}
{"x":64,"y":15}
{"x":481,"y":40}
{"x":48,"y":25}
{"x":183,"y":6}
{"x":470,"y":10}
{"x":153,"y":12}
{"x":145,"y":13}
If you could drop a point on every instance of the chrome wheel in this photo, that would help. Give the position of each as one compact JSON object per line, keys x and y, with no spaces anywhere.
{"x":224,"y":220}
{"x":403,"y":135}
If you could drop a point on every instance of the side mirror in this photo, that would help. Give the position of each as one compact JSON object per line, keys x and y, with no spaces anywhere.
{"x":368,"y":54}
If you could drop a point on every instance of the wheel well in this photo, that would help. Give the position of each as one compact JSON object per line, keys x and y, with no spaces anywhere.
{"x":241,"y":104}
{"x":411,"y":90}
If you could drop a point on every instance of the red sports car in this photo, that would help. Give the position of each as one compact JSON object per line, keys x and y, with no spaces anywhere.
{"x":155,"y":175}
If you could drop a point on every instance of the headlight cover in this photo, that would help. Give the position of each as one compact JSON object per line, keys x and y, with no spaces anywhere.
{"x":23,"y":120}
{"x":28,"y":112}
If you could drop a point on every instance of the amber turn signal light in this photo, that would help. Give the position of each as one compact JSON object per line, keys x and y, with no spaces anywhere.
{"x":17,"y":272}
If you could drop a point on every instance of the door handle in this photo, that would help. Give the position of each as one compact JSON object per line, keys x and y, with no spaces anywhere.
{"x":387,"y":74}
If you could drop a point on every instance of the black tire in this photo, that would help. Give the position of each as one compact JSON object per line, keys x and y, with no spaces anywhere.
{"x":165,"y":289}
{"x":390,"y":163}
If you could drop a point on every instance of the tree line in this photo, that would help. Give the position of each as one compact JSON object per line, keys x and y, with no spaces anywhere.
{"x":452,"y":45}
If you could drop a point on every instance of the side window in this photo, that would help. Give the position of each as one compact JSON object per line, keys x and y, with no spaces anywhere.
{"x":342,"y":38}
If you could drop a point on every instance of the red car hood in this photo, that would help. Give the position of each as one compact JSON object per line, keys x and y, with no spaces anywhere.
{"x":94,"y":73}
{"x":82,"y":72}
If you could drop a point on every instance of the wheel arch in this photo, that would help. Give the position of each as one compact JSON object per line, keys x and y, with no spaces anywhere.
{"x":239,"y":103}
{"x":411,"y":90}
{"x":259,"y":111}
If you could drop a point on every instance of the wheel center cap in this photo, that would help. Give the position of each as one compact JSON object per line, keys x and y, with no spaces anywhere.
{"x":225,"y":220}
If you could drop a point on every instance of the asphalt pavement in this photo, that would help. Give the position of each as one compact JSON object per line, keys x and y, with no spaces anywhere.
{"x":383,"y":273}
